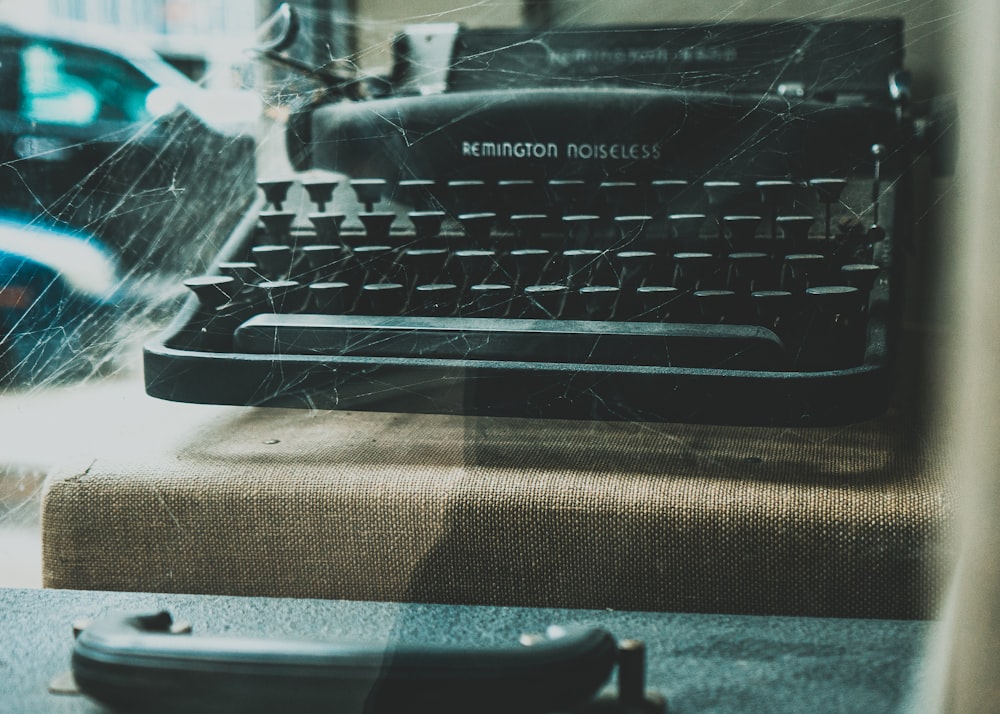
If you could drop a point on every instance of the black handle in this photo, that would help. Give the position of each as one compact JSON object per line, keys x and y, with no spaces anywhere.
{"x":139,"y":663}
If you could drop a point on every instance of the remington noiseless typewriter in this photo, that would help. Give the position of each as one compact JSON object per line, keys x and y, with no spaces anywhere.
{"x":691,"y":223}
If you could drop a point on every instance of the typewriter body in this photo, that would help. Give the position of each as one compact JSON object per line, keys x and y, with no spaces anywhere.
{"x":687,"y":223}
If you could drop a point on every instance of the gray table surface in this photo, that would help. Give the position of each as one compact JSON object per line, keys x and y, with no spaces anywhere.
{"x":701,"y":663}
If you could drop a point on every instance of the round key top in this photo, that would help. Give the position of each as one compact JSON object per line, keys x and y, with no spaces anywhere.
{"x":327,"y":226}
{"x":685,"y":227}
{"x":333,"y":298}
{"x":567,"y":195}
{"x":773,"y":307}
{"x":836,"y":299}
{"x":776,"y":193}
{"x":382,"y":299}
{"x":795,"y":230}
{"x":274,"y":261}
{"x":212,"y":290}
{"x":320,"y":191}
{"x":277,"y":224}
{"x":598,"y":302}
{"x":324,"y":260}
{"x":581,"y":265}
{"x":374,"y":262}
{"x":664,"y":193}
{"x":423,"y":265}
{"x":519,"y":196}
{"x":715,"y":306}
{"x":490,"y":300}
{"x":436,"y":299}
{"x":418,"y":193}
{"x":478,"y":226}
{"x":275,"y":191}
{"x":658,"y":303}
{"x":426,"y":224}
{"x":632,"y":229}
{"x":721,"y":193}
{"x":581,"y":229}
{"x":618,"y":198}
{"x":860,"y":275}
{"x":528,"y":227}
{"x":469,"y":267}
{"x":545,"y":301}
{"x":749,"y":271}
{"x":467,"y":196}
{"x":377,"y":226}
{"x":527,"y":265}
{"x":803,"y":270}
{"x":828,"y":190}
{"x":244,"y":272}
{"x":634,"y":266}
{"x":369,"y":191}
{"x":741,"y":230}
{"x":279,"y":296}
{"x":693,"y":270}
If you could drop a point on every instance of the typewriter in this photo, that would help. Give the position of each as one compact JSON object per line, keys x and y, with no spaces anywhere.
{"x":681,"y":223}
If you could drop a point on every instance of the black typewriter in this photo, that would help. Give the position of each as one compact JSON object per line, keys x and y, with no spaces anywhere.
{"x":684,"y":223}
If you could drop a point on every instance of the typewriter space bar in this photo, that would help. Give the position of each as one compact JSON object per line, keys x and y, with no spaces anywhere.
{"x":566,"y":341}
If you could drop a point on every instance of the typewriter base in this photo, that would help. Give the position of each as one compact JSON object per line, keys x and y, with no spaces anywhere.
{"x":559,"y":391}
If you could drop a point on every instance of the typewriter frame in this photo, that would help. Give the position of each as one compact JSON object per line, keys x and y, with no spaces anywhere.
{"x":510,"y":388}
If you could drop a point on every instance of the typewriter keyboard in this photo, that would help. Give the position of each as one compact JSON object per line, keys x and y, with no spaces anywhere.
{"x":719,"y":300}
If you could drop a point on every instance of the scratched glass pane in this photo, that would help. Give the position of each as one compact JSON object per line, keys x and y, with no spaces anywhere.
{"x":121,"y":178}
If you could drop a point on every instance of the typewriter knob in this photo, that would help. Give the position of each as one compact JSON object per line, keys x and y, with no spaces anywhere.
{"x":776,"y":193}
{"x":436,"y":299}
{"x":659,"y":303}
{"x":773,"y":307}
{"x":741,"y":229}
{"x":567,"y":195}
{"x":277,"y":224}
{"x":467,"y":196}
{"x":383,"y":298}
{"x":795,"y":230}
{"x":528,"y":226}
{"x":721,"y":193}
{"x":279,"y":295}
{"x":275,"y":261}
{"x":243,"y":272}
{"x":860,"y":275}
{"x":828,"y":190}
{"x":632,"y":229}
{"x":320,"y":191}
{"x":527,"y":265}
{"x":275,"y":191}
{"x":490,"y":300}
{"x":418,"y":193}
{"x":212,"y":290}
{"x":598,"y":302}
{"x":803,"y":270}
{"x":333,"y":298}
{"x":581,"y":229}
{"x":426,"y":224}
{"x":478,"y":226}
{"x":377,"y":225}
{"x":545,"y":301}
{"x":664,"y":193}
{"x":368,"y":191}
{"x":323,"y":260}
{"x":715,"y":306}
{"x":327,"y":226}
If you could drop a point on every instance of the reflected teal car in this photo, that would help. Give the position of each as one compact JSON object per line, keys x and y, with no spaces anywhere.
{"x":102,"y":135}
{"x":60,"y":302}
